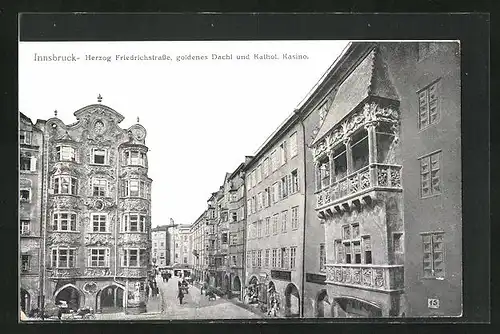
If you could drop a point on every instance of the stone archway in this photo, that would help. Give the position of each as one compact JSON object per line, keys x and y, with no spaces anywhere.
{"x":237,"y":287}
{"x":227,"y":283}
{"x":110,"y":299}
{"x":25,"y":301}
{"x":322,"y":304}
{"x":70,"y":294}
{"x":348,"y":307}
{"x":292,"y":301}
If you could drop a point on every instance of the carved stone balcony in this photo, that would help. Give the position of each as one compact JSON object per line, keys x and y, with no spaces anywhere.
{"x":385,"y":278}
{"x":358,"y":186}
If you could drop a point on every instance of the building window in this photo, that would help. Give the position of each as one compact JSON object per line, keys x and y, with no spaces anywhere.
{"x":134,"y":222}
{"x":135,"y":158}
{"x":428,"y":106}
{"x":99,"y":156}
{"x":275,"y":223}
{"x":162,"y":244}
{"x":340,"y":163}
{"x":234,"y":216}
{"x":25,"y":263}
{"x":367,"y":248}
{"x":274,"y":259}
{"x":64,"y":221}
{"x":284,"y":187}
{"x":274,"y":193}
{"x":259,"y":173}
{"x":266,"y":259}
{"x":324,"y":173}
{"x":295,"y":217}
{"x":359,"y":150}
{"x":25,"y":163}
{"x":24,"y":227}
{"x":433,"y":249}
{"x":99,"y":187}
{"x":98,"y":257}
{"x":284,"y":218}
{"x":234,"y":260}
{"x":63,"y":257}
{"x":25,"y":137}
{"x":295,"y":182}
{"x":398,"y":242}
{"x":293,"y":145}
{"x":254,"y":260}
{"x":65,"y":184}
{"x":249,"y":263}
{"x":268,"y":227}
{"x":65,"y":153}
{"x":322,"y":257}
{"x":130,"y":257}
{"x":259,"y":258}
{"x":224,"y":238}
{"x":185,"y":260}
{"x":99,"y":222}
{"x":134,"y":188}
{"x":274,"y":161}
{"x":284,"y":258}
{"x":234,"y":238}
{"x":25,"y":195}
{"x":259,"y":229}
{"x":293,"y":256}
{"x":282,"y":150}
{"x":265,"y":166}
{"x":430,"y":175}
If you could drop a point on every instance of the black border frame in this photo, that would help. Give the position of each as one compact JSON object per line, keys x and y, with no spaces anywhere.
{"x":471,"y":29}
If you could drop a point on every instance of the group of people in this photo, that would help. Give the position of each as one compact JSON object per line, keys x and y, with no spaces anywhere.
{"x":165,"y":276}
{"x":152,"y":289}
{"x":208,"y":292}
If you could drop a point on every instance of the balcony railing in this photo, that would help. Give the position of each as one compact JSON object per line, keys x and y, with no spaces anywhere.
{"x":372,"y":177}
{"x":377,"y":277}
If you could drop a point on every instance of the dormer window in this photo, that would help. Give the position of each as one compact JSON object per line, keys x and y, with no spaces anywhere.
{"x":65,"y":153}
{"x":99,"y":156}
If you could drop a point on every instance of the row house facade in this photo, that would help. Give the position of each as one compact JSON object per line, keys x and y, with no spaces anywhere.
{"x":180,"y":248}
{"x":30,"y":200}
{"x":387,"y":181}
{"x":199,"y":236}
{"x":275,"y":211}
{"x":160,"y":239}
{"x":96,"y":211}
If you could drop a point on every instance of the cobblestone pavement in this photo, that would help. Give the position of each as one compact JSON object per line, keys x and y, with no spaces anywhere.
{"x":194,"y":306}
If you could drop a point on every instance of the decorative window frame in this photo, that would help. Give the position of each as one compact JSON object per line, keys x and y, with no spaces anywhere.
{"x":57,"y":255}
{"x":73,"y":184}
{"x":59,"y":153}
{"x":125,"y":258}
{"x":106,"y":222}
{"x":106,"y":186}
{"x":141,"y":160}
{"x":57,"y":223}
{"x":28,"y":137}
{"x":23,"y":200}
{"x":93,"y":155}
{"x":141,"y":218}
{"x":107,"y":257}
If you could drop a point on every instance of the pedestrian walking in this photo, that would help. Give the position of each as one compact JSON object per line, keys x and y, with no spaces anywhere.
{"x":147,"y":290}
{"x":180,"y":295}
{"x":155,"y":289}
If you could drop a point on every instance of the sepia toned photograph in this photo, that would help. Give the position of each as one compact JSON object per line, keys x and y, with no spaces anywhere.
{"x":213,"y":180}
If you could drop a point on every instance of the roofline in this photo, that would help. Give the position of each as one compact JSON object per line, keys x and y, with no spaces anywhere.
{"x":237,"y":170}
{"x":81,"y":110}
{"x":290,"y":121}
{"x":328,"y":79}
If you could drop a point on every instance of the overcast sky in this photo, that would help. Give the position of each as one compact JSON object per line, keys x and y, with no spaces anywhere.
{"x":202,"y":116}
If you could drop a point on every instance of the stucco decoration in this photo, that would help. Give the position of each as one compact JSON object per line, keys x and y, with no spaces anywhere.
{"x":97,"y":272}
{"x":90,"y":287}
{"x":64,"y":202}
{"x":133,"y":239}
{"x":134,"y":204}
{"x":62,"y":273}
{"x":132,"y":272}
{"x":99,"y":204}
{"x":98,"y":239}
{"x":64,"y":238}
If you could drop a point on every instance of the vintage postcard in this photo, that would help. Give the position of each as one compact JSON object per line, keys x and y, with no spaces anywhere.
{"x":202,"y":180}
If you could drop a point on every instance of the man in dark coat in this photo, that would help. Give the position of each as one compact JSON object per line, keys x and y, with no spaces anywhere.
{"x":180,"y":295}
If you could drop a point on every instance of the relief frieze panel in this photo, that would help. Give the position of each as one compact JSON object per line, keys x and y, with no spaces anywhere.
{"x":64,"y":238}
{"x":371,"y":113}
{"x":134,"y":204}
{"x":97,"y":272}
{"x":98,"y":239}
{"x":133,"y":239}
{"x":64,"y":202}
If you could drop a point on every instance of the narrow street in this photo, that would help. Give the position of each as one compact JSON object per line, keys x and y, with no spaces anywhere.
{"x":195,"y":306}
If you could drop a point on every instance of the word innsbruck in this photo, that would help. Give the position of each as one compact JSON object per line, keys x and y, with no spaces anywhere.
{"x":188,"y":57}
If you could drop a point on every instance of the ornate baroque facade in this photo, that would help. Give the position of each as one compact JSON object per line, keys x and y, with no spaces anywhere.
{"x":97,"y":210}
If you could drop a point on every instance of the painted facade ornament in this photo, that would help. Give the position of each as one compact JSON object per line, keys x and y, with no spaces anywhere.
{"x":97,"y":272}
{"x":90,"y":287}
{"x":99,"y":127}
